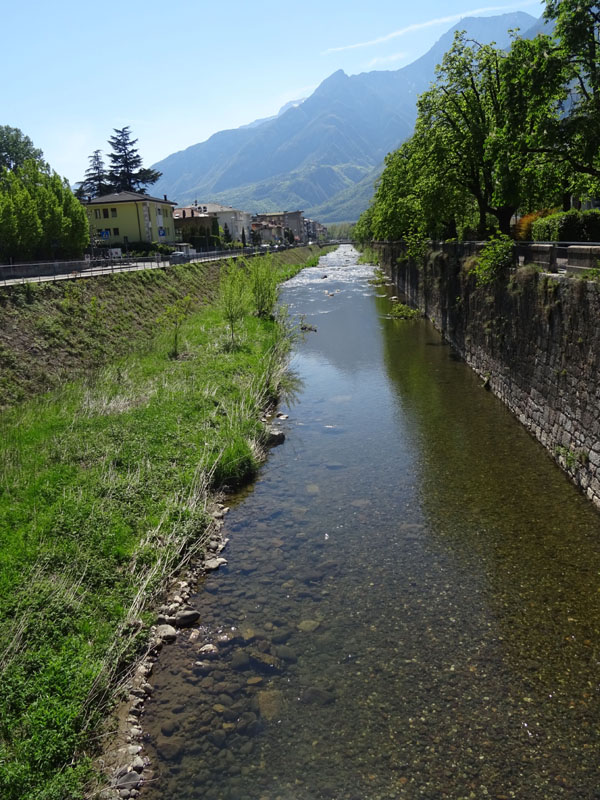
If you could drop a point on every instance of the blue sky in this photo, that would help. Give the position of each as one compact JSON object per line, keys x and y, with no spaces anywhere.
{"x":179,"y":72}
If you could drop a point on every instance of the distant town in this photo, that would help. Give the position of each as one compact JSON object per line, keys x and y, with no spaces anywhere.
{"x":124,"y":220}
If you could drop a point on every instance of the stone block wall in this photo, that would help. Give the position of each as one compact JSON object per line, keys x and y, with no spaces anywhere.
{"x":534,"y":338}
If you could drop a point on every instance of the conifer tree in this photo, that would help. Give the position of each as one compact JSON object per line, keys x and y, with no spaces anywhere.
{"x":126,"y":171}
{"x":96,"y":180}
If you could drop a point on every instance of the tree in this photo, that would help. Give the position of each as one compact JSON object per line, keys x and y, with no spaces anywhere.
{"x":126,"y":172}
{"x":575,"y":135}
{"x":226,"y":234}
{"x":233,"y":297}
{"x":485,"y":117}
{"x":243,"y":237}
{"x":215,"y":232}
{"x":16,"y":148}
{"x":40,"y":217}
{"x":96,"y":179}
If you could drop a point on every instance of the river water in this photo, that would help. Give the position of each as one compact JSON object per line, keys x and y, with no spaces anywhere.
{"x":411,"y":603}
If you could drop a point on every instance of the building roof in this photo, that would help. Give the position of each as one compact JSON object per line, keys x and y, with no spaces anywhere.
{"x":127,"y":197}
{"x":212,"y":208}
{"x":277,"y":213}
{"x":193,"y":212}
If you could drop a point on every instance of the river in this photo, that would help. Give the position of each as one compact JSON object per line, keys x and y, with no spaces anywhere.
{"x":411,"y":603}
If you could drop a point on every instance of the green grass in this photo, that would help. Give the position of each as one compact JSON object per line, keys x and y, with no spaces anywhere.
{"x":103,"y":493}
{"x":368,"y":255}
{"x":402,"y":311}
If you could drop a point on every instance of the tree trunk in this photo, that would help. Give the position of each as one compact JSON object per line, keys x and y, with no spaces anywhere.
{"x":504,"y":215}
{"x":482,"y":225}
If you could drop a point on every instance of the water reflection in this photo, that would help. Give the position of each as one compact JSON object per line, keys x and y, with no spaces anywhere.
{"x":410,"y":605}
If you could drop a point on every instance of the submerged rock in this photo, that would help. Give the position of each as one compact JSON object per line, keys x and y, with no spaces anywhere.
{"x":308,"y":625}
{"x":270,"y":704}
{"x":317,"y":696}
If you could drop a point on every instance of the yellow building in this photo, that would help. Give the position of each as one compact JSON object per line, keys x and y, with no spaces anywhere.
{"x":126,"y":217}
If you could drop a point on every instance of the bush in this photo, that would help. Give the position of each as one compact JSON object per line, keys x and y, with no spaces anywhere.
{"x":232,"y":296}
{"x":263,"y":285}
{"x":591,"y":225}
{"x":495,"y":258}
{"x":568,"y":226}
{"x":522,"y":229}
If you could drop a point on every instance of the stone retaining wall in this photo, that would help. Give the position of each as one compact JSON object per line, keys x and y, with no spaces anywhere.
{"x":534,"y":339}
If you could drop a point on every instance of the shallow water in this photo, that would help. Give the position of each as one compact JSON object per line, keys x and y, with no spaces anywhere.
{"x":411,"y":604}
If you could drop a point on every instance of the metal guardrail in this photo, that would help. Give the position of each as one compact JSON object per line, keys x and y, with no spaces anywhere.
{"x":40,"y":272}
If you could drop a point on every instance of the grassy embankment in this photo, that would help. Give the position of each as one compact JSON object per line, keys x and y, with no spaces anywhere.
{"x":104,"y":484}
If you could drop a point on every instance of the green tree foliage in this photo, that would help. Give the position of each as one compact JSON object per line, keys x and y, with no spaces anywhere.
{"x":480,"y":151}
{"x":483,"y":119}
{"x":575,"y":137}
{"x":16,"y":148}
{"x":126,"y":172}
{"x":40,"y":218}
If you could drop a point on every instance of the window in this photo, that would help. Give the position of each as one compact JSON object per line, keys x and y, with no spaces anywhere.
{"x":113,"y":212}
{"x":105,"y":213}
{"x":97,"y":213}
{"x":115,"y":231}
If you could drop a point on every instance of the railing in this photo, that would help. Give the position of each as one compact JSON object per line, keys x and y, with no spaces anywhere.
{"x":40,"y":272}
{"x":566,"y":257}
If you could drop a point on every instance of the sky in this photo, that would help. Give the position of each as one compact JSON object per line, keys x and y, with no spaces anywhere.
{"x":176,"y":73}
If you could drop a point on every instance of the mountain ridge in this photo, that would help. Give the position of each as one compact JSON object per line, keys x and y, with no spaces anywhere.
{"x":323,"y":147}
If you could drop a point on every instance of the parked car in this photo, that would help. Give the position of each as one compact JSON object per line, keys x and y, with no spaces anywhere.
{"x":179,"y":257}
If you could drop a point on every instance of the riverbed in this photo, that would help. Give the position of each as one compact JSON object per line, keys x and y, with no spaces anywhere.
{"x":410,"y":607}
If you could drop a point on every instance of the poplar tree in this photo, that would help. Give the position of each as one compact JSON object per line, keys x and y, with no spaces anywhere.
{"x":16,"y":148}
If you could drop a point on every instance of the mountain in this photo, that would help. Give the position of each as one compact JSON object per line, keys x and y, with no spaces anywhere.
{"x":282,"y":110}
{"x":323,"y":154}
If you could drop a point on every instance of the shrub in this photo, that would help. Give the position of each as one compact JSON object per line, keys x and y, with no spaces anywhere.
{"x":522,"y":229}
{"x":263,"y":285}
{"x":495,"y":258}
{"x":591,"y":225}
{"x":232,"y":296}
{"x":568,"y":226}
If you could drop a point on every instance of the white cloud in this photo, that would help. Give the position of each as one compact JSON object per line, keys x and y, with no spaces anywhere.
{"x":430,"y":23}
{"x":386,"y":59}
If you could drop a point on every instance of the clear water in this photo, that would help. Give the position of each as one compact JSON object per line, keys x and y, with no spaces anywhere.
{"x":411,"y":604}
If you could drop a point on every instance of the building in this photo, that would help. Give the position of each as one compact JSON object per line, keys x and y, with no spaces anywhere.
{"x":287,"y":220}
{"x":314,"y":231}
{"x":266,"y":233}
{"x":228,"y":218}
{"x":125,"y":217}
{"x":199,"y":227}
